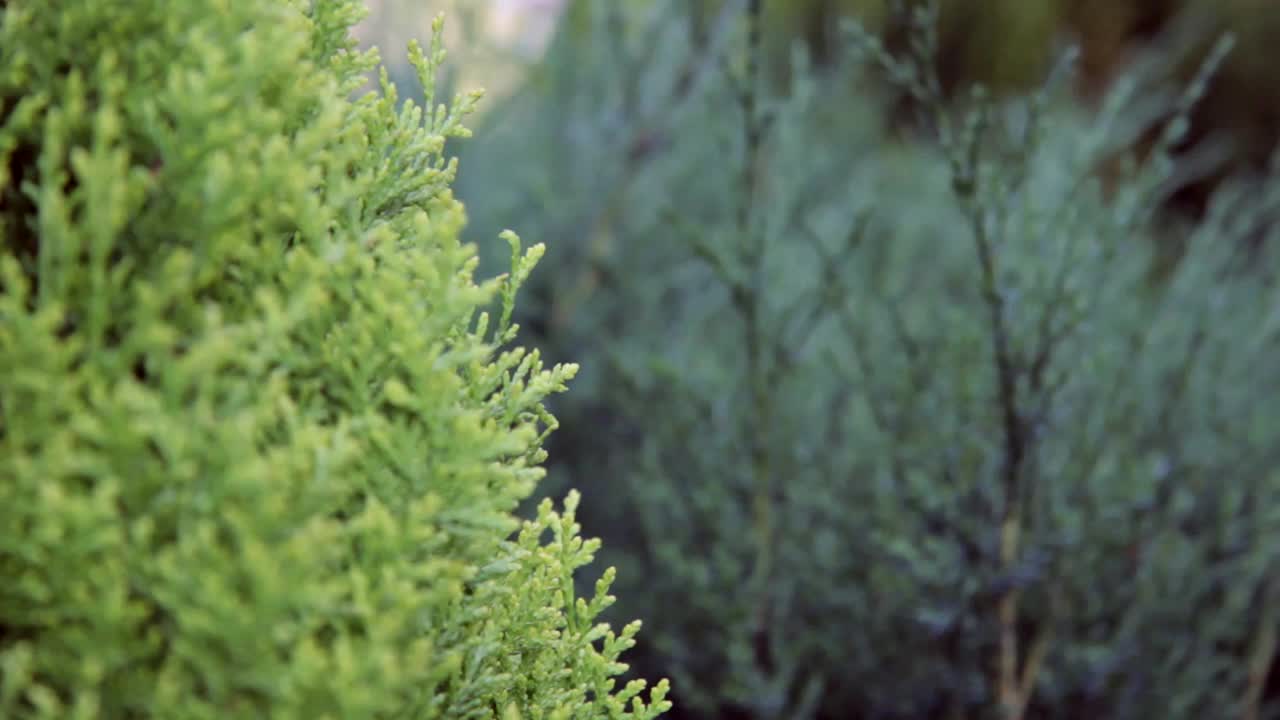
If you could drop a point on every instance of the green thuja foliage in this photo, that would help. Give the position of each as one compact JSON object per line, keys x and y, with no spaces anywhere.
{"x":260,"y":443}
{"x":939,"y":428}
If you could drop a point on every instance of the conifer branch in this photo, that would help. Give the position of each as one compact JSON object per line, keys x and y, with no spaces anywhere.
{"x":751,"y":304}
{"x":966,"y":171}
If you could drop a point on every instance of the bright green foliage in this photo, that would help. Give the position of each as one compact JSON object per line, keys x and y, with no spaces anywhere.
{"x":259,"y":445}
{"x":936,"y":429}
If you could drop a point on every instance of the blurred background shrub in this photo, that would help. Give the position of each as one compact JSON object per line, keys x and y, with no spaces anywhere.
{"x":899,"y":402}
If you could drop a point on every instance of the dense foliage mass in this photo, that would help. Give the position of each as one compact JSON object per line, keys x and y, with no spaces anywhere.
{"x":260,"y":446}
{"x":952,"y":427}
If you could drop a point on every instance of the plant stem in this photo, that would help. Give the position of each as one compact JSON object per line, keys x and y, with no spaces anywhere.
{"x":750,"y":301}
{"x":1264,"y":651}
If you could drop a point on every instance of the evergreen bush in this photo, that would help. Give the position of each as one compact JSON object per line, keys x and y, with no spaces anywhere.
{"x":944,"y":428}
{"x":260,"y":441}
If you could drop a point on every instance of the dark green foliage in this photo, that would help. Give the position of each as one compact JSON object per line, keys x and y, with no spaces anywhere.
{"x":259,"y":444}
{"x":935,"y":429}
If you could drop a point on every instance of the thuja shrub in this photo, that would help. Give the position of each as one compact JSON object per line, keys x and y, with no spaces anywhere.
{"x":260,"y":440}
{"x":948,"y":428}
